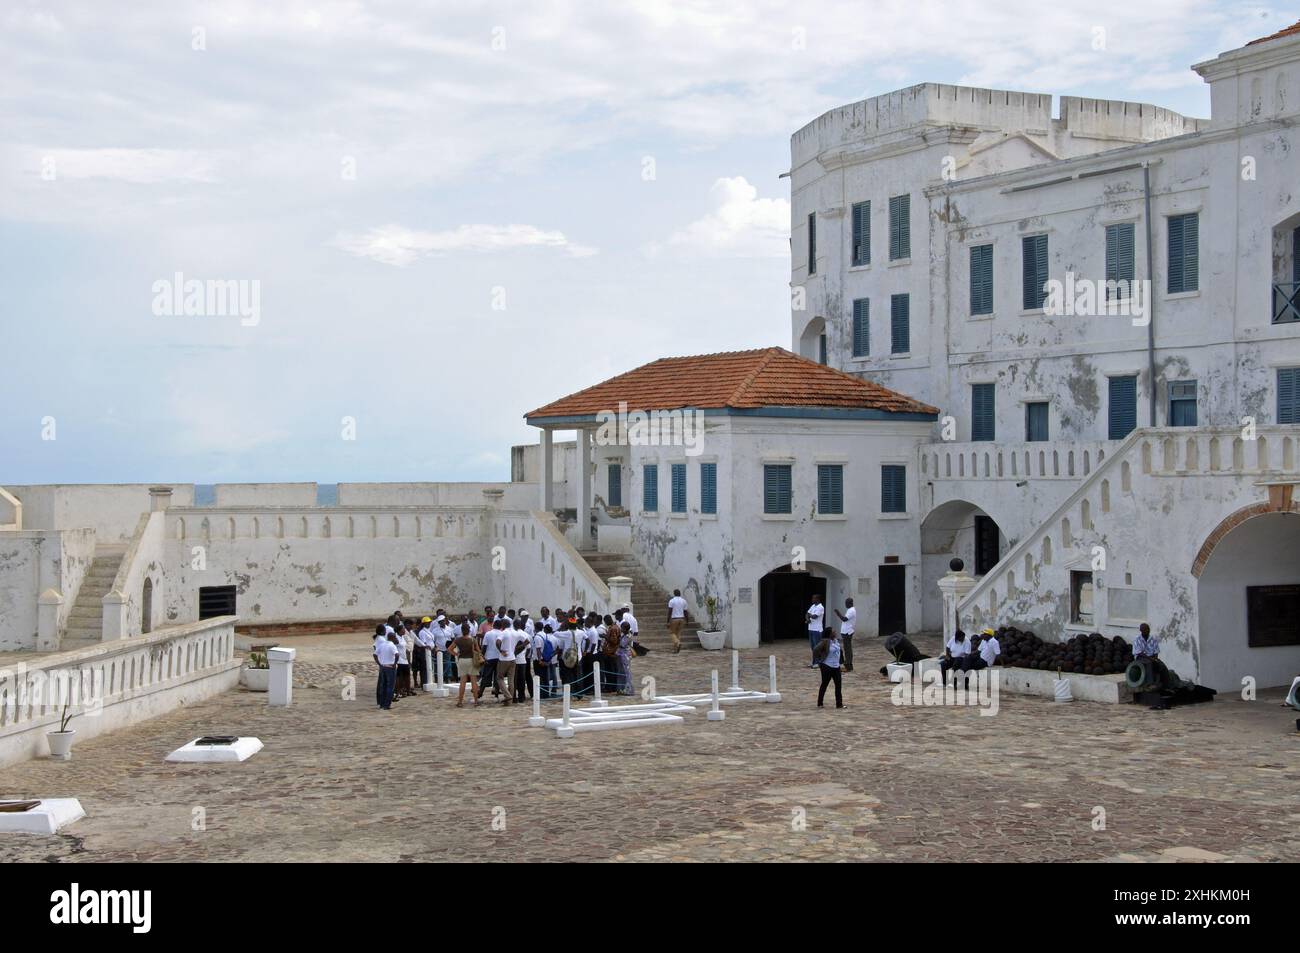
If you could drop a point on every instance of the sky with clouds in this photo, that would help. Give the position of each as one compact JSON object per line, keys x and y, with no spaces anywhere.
{"x":453,"y":212}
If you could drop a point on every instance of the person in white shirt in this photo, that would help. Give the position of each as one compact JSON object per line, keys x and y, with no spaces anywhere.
{"x":815,"y":617}
{"x":507,"y":637}
{"x":566,"y":637}
{"x":954,"y":654}
{"x":545,"y":655}
{"x":849,"y":618}
{"x":491,"y":657}
{"x":386,"y":659}
{"x":443,"y":635}
{"x":523,"y":681}
{"x":676,"y":619}
{"x":986,"y":653}
{"x":830,"y":656}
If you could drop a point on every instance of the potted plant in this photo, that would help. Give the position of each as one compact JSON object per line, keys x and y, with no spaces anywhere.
{"x":897,"y":669}
{"x":713,"y":637}
{"x":256,"y":673}
{"x":61,"y":741}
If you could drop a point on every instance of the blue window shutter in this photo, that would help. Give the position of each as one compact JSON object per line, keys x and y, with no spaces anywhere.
{"x":861,"y":327}
{"x":812,"y":243}
{"x":615,"y":495}
{"x":1184,"y":253}
{"x":1120,"y":258}
{"x":1036,"y":422}
{"x":1295,"y":256}
{"x":678,"y":474}
{"x":900,"y":320}
{"x":981,"y":279}
{"x":650,"y":490}
{"x":777,"y":495}
{"x":1122,"y":411}
{"x":1288,"y":395}
{"x":708,"y":488}
{"x":893,"y":488}
{"x":900,"y":227}
{"x":1033,"y":249}
{"x":830,"y":488}
{"x":862,"y":233}
{"x":983,"y":420}
{"x":1182,"y":403}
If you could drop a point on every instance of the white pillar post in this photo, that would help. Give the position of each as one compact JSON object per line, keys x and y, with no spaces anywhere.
{"x":280,"y":692}
{"x":715,"y":712}
{"x":583,"y":478}
{"x":547,"y":475}
{"x":772,"y":694}
{"x":565,"y":730}
{"x":537,"y":721}
{"x":597,"y":701}
{"x":954,"y":587}
{"x":440,"y":690}
{"x":735,"y":671}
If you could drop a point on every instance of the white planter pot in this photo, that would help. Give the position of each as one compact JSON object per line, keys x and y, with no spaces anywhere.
{"x":1061,"y":689}
{"x":897,"y":671}
{"x":712,"y":640}
{"x":60,"y":744}
{"x":255,"y":679}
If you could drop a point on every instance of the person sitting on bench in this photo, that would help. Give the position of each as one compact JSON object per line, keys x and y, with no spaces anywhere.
{"x":987,"y":652}
{"x":954,"y":654}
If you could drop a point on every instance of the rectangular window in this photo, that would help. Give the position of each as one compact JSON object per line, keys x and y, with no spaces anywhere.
{"x":1122,"y":407}
{"x":650,"y":488}
{"x":1119,"y":261}
{"x":1036,"y":422}
{"x":893,"y":488}
{"x":821,"y":349}
{"x":900,"y":227}
{"x":615,"y":497}
{"x":861,"y":327}
{"x":1033,"y":250}
{"x":1184,"y":252}
{"x":988,"y":545}
{"x":1182,"y":403}
{"x":678,"y":476}
{"x":812,"y":243}
{"x":1288,"y":395}
{"x":777,"y":492}
{"x":982,"y":420}
{"x":1081,"y":597}
{"x":981,"y":279}
{"x":830,"y":488}
{"x":862,"y":233}
{"x":709,"y":488}
{"x":900,"y":324}
{"x":216,"y":601}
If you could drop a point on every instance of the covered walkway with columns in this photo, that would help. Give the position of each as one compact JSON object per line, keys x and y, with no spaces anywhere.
{"x":582,"y":487}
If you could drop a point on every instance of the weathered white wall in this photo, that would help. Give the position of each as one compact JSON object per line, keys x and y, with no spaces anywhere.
{"x":111,"y":510}
{"x":265,"y":494}
{"x":32,"y":561}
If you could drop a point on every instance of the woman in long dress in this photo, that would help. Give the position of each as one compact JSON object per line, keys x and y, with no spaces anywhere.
{"x":625,"y":658}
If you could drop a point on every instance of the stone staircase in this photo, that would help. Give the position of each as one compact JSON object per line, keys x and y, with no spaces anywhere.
{"x":649,"y":600}
{"x":85,"y":624}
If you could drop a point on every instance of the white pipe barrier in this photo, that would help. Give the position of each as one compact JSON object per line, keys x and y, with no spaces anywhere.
{"x":735,"y":672}
{"x":440,"y":689}
{"x":537,"y":721}
{"x":597,"y":701}
{"x":565,"y":730}
{"x":772,"y":694}
{"x":715,"y":712}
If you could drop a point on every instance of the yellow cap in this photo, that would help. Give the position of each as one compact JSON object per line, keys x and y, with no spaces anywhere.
{"x":426,"y":619}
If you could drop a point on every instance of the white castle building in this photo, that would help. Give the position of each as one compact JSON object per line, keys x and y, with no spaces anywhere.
{"x":1062,"y":345}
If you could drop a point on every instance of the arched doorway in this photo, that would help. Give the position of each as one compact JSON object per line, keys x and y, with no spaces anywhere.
{"x":956,"y":528}
{"x":1248,"y":602}
{"x":785,"y":594}
{"x":812,"y":341}
{"x":146,"y":608}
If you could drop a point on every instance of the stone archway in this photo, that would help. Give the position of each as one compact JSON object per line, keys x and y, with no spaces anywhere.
{"x":1280,"y":501}
{"x":955,"y":528}
{"x":146,"y":608}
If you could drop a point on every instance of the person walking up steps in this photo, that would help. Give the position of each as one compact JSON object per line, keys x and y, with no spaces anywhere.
{"x":676,"y":619}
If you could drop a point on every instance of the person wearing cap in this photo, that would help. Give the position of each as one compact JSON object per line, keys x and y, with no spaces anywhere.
{"x":986,"y":652}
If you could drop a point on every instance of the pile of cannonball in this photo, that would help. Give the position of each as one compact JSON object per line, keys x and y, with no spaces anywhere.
{"x":1092,"y":654}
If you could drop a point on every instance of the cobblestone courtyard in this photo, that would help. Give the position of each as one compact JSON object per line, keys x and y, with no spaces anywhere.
{"x":341,"y":781}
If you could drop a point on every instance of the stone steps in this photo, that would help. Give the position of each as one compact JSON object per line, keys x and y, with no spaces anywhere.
{"x":85,"y":624}
{"x":649,"y":600}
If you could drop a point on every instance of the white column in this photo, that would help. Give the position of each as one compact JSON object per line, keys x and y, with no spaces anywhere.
{"x":281,"y":687}
{"x":537,"y":721}
{"x":715,"y":711}
{"x":954,"y":587}
{"x":772,"y":694}
{"x":565,"y":730}
{"x":597,"y":701}
{"x":583,"y":477}
{"x":547,"y":476}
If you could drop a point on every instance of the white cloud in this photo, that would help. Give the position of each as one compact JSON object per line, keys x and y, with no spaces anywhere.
{"x":138,"y":166}
{"x":741,"y":225}
{"x":401,"y":246}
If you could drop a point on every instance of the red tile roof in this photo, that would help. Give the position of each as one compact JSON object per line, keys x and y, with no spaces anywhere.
{"x":742,"y":380}
{"x":1292,"y":30}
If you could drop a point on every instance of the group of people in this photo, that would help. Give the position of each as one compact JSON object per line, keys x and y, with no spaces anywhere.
{"x":502,"y":649}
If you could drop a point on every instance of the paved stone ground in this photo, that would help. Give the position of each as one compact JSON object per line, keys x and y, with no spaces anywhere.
{"x":341,"y":781}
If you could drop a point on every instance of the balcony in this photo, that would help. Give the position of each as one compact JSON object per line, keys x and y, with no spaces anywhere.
{"x":1286,"y":302}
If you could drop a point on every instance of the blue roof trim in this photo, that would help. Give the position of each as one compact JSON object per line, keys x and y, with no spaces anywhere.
{"x":807,"y":413}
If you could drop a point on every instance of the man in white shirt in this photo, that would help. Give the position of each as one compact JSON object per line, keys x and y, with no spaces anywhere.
{"x":954,"y":654}
{"x":676,"y":619}
{"x":491,"y":656}
{"x":505,"y":670}
{"x":545,"y":659}
{"x":386,"y":658}
{"x":815,"y":616}
{"x":849,"y":620}
{"x":523,"y":680}
{"x":986,"y":653}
